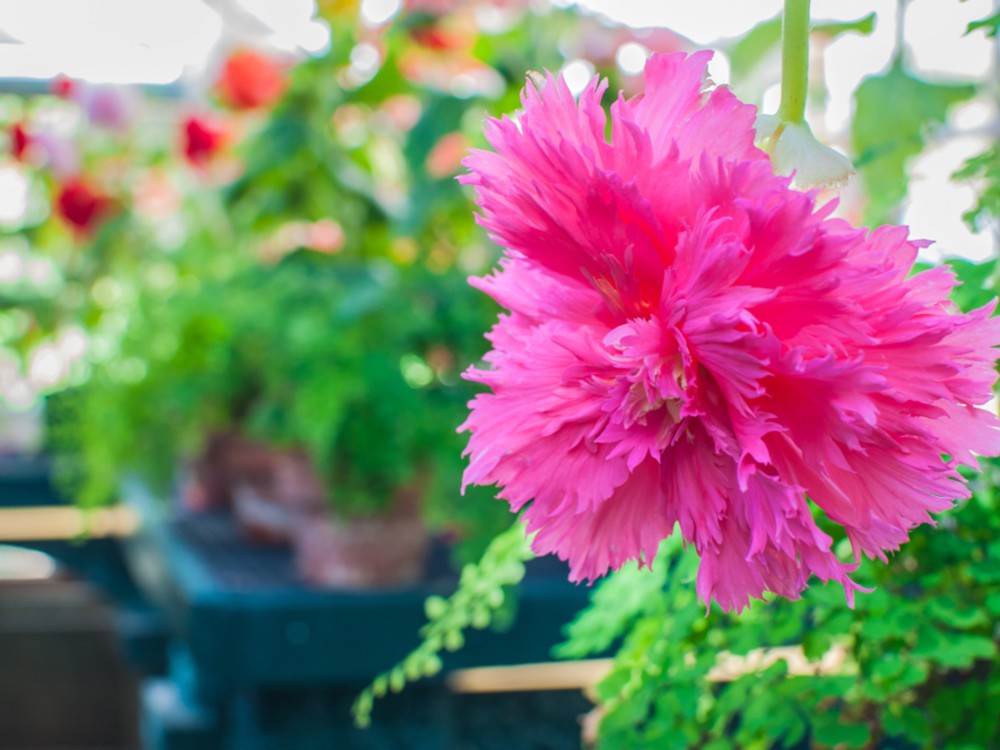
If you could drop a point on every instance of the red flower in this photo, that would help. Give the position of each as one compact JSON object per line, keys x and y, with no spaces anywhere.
{"x":81,"y":205}
{"x":19,"y":141}
{"x":63,"y":86}
{"x":202,"y":138}
{"x":433,"y":36}
{"x":250,"y":80}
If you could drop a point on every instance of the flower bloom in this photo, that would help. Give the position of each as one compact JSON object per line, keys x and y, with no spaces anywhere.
{"x":20,"y":141}
{"x":62,"y":86}
{"x":250,"y":80}
{"x":201,"y":139}
{"x":795,"y":151}
{"x":111,"y":107}
{"x":691,"y":342}
{"x":59,"y":153}
{"x":108,"y":106}
{"x":81,"y":205}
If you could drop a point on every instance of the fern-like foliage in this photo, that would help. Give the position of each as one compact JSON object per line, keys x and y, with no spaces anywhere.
{"x":482,"y":590}
{"x":617,"y":602}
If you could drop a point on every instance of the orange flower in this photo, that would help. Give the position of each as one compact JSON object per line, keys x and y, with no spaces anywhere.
{"x":250,"y":80}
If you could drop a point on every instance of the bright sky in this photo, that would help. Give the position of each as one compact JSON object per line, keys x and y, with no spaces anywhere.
{"x":142,"y":41}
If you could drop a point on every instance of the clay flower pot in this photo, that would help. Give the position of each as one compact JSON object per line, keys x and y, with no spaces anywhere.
{"x":375,"y":551}
{"x":205,"y":482}
{"x":266,"y":487}
{"x":277,"y":497}
{"x":272,"y":488}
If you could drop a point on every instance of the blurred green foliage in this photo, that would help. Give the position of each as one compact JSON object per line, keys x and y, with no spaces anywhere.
{"x":914,"y":665}
{"x":480,"y":596}
{"x":749,"y":50}
{"x":893,"y":113}
{"x":319,"y":300}
{"x":359,"y":364}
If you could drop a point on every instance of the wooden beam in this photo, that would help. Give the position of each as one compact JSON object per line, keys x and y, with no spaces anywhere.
{"x":586,"y":673}
{"x":50,"y":523}
{"x":558,"y":675}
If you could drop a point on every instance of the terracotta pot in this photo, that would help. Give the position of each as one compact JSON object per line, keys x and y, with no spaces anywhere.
{"x":266,"y":487}
{"x":262,"y":519}
{"x":363,"y":552}
{"x":205,"y":483}
{"x":272,"y":488}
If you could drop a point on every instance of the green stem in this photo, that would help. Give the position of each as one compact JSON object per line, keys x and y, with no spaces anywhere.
{"x":794,"y":60}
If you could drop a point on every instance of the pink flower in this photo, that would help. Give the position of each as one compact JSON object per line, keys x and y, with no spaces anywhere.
{"x":107,"y":106}
{"x":692,"y":342}
{"x":60,"y":154}
{"x":111,"y":107}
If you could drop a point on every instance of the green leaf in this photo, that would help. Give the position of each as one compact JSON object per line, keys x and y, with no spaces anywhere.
{"x":751,"y":48}
{"x":894,"y":624}
{"x":906,"y":722}
{"x":835,"y":734}
{"x":990,"y":24}
{"x":832,"y":29}
{"x":993,"y":602}
{"x":929,"y":640}
{"x":978,"y":282}
{"x":470,"y":605}
{"x":986,"y":571}
{"x":893,"y":113}
{"x":888,"y":666}
{"x":616,"y":603}
{"x":961,"y":650}
{"x":435,"y":607}
{"x":947,"y":610}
